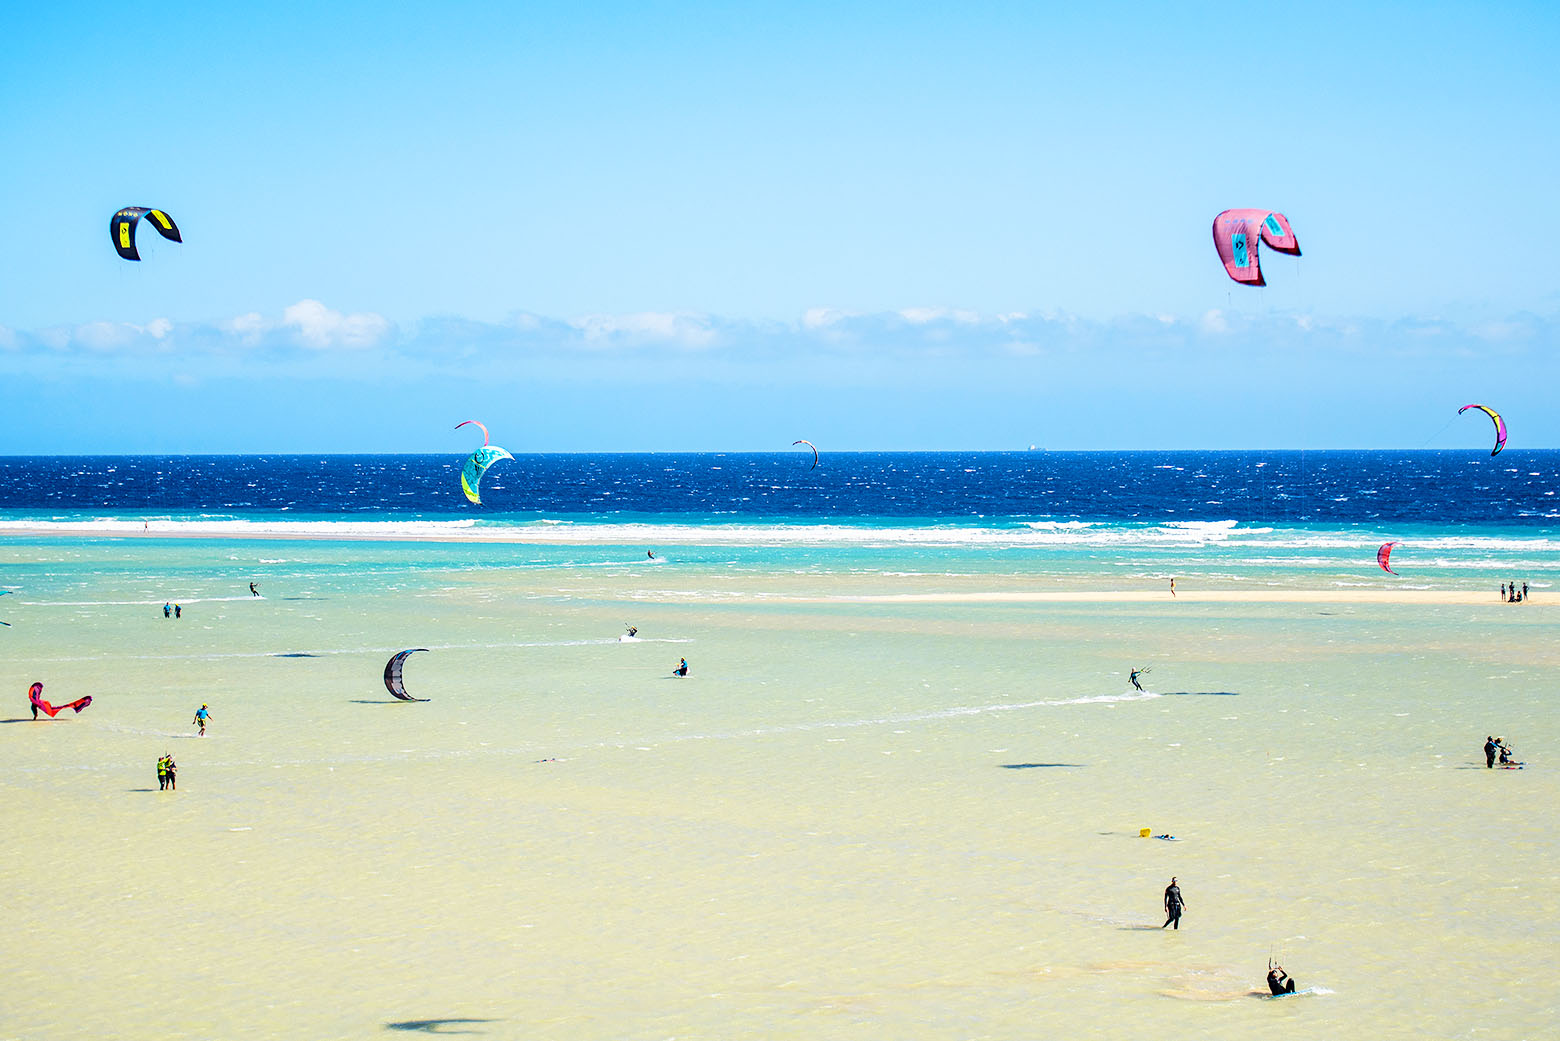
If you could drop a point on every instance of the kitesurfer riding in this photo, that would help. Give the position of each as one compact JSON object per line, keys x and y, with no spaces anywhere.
{"x":1134,"y":678}
{"x":1279,"y":981}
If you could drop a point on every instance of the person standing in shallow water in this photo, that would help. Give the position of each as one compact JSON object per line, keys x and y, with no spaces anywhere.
{"x":1490,"y":748}
{"x":1173,"y":904}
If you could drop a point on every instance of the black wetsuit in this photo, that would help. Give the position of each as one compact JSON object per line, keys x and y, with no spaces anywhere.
{"x":1280,"y":983}
{"x":1173,"y":906}
{"x":1490,"y":748}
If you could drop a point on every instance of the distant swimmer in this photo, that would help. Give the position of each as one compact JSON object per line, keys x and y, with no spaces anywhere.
{"x":1173,"y":904}
{"x":1279,"y":981}
{"x":1491,"y":747}
{"x":202,"y":715}
{"x":682,"y":667}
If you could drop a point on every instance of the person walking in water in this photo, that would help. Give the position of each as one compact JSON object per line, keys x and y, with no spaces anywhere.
{"x":167,"y":610}
{"x":202,"y":715}
{"x":1173,"y":904}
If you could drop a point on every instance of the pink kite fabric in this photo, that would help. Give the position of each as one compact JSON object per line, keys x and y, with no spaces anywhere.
{"x":1236,"y":234}
{"x":1384,"y":554}
{"x":35,"y":696}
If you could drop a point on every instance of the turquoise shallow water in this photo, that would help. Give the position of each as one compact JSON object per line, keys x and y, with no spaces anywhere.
{"x":857,"y":817}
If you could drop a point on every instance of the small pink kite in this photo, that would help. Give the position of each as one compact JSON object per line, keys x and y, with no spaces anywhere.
{"x":1236,"y":234}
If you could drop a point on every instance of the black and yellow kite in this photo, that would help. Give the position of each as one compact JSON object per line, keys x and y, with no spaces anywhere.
{"x":121,"y":228}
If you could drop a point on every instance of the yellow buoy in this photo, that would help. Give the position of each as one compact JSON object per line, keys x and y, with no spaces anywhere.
{"x":1144,"y":833}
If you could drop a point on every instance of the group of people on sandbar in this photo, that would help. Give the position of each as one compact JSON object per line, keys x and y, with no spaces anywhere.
{"x":1495,"y":748}
{"x":1511,"y":594}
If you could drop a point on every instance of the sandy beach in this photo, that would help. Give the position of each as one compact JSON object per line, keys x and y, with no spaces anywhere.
{"x":864,"y":814}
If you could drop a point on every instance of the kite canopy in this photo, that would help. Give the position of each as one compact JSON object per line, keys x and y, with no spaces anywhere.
{"x":479,"y":426}
{"x":814,"y":448}
{"x":121,"y":228}
{"x":393,"y":675}
{"x":1500,"y":425}
{"x":35,"y":696}
{"x":476,"y":466}
{"x":1236,"y":234}
{"x":1384,"y":555}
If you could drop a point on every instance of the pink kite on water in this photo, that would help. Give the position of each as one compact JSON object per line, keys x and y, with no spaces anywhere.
{"x":1236,"y":234}
{"x":1384,"y":556}
{"x":35,"y":695}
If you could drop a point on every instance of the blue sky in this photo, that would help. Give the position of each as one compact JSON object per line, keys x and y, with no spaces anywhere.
{"x":696,"y":227}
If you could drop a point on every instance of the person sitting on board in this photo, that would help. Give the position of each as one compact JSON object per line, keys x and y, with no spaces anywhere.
{"x":1506,"y":758}
{"x":1279,"y":981}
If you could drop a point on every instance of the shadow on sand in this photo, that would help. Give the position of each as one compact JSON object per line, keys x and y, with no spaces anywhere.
{"x":1042,"y":766}
{"x":1200,"y":694}
{"x":436,"y":1026}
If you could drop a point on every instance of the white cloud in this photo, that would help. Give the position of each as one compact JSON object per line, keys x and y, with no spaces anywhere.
{"x":689,"y":330}
{"x":321,"y":328}
{"x":927,"y":315}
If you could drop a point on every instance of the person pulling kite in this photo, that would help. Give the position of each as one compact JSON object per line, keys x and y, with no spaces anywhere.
{"x":121,"y":228}
{"x":476,"y":466}
{"x":1236,"y":234}
{"x":35,"y":696}
{"x":1500,"y":425}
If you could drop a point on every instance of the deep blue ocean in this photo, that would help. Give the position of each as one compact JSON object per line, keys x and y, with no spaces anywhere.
{"x":1333,"y":489}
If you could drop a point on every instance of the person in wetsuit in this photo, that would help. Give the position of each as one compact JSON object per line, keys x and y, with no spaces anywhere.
{"x":1490,"y":748}
{"x":1279,"y":981}
{"x":1133,"y":679}
{"x":682,"y":667}
{"x":1173,"y":904}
